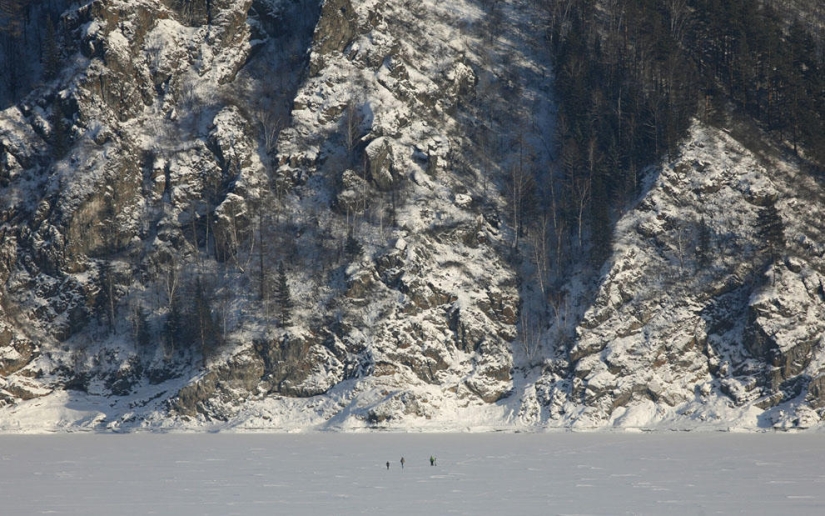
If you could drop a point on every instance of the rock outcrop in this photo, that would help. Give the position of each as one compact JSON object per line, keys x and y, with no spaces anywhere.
{"x":692,"y":308}
{"x":152,"y":242}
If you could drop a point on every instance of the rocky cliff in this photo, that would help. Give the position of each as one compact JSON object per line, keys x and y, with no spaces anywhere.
{"x":694,"y":322}
{"x":298,"y":214}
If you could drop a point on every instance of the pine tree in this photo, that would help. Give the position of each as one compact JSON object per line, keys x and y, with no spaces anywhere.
{"x":353,"y":247}
{"x":283,"y":297}
{"x":51,"y":52}
{"x":59,"y":137}
{"x":173,"y":327}
{"x":600,"y":220}
{"x":770,"y":229}
{"x":143,"y":333}
{"x":106,"y":301}
{"x":12,"y":16}
{"x":204,"y":324}
{"x":13,"y":39}
{"x":703,"y":243}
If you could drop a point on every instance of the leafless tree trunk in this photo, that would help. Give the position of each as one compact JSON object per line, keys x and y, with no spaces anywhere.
{"x":530,"y":335}
{"x":558,"y":300}
{"x":520,"y":182}
{"x":580,"y":188}
{"x":680,"y":241}
{"x":352,"y":122}
{"x":172,"y":278}
{"x":271,"y":124}
{"x":540,"y":247}
{"x":679,"y":13}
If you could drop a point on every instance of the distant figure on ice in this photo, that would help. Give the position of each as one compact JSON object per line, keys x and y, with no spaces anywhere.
{"x":388,"y":464}
{"x":402,"y":462}
{"x":432,"y":460}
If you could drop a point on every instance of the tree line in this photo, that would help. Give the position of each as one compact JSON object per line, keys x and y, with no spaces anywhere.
{"x":29,"y":45}
{"x":631,"y":75}
{"x":771,"y":67}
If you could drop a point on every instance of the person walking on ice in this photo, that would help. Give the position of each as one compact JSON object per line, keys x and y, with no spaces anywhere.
{"x":402,"y":462}
{"x":388,"y":465}
{"x":432,"y":460}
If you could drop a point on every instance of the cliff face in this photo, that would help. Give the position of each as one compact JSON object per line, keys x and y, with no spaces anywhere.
{"x":695,"y":322}
{"x":149,"y":175}
{"x":104,"y":166}
{"x":192,"y":158}
{"x":407,"y":304}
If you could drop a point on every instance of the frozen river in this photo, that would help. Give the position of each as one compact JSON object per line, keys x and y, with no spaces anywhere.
{"x":475,"y":474}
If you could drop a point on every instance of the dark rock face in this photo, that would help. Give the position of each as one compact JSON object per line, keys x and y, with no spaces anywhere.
{"x":293,"y":366}
{"x":100,"y":206}
{"x":816,"y":392}
{"x":336,"y":29}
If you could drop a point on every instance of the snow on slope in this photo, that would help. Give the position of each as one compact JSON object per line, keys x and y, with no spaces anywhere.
{"x":432,"y":299}
{"x":671,"y":340}
{"x":429,"y":305}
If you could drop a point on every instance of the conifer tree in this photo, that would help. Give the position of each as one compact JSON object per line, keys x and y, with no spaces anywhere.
{"x":206,"y":328}
{"x":106,"y":300}
{"x":600,"y":220}
{"x":143,"y":334}
{"x":353,"y":247}
{"x":12,"y":16}
{"x":771,"y":231}
{"x":13,"y":38}
{"x":59,"y":137}
{"x":283,"y":297}
{"x":173,"y":327}
{"x":51,"y":51}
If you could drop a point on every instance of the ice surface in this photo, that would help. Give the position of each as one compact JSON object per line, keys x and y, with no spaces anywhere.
{"x":476,"y":474}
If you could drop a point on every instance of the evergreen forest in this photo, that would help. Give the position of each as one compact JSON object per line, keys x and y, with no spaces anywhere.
{"x":631,"y":75}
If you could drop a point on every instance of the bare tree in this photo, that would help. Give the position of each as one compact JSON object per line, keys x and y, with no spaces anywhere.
{"x":680,"y":241}
{"x":580,"y":191}
{"x":353,"y":120}
{"x":223,"y":304}
{"x":172,"y":281}
{"x":558,"y":300}
{"x":271,"y":123}
{"x":679,"y":12}
{"x":519,"y":187}
{"x":540,"y":246}
{"x":558,"y":12}
{"x":530,"y":334}
{"x":190,"y":10}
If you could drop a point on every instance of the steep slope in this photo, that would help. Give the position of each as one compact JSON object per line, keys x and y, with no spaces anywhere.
{"x":400,"y":216}
{"x":106,"y":169}
{"x":695,"y":323}
{"x":147,"y":181}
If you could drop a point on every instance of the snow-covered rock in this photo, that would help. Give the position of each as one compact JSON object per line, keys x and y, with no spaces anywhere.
{"x":675,"y":327}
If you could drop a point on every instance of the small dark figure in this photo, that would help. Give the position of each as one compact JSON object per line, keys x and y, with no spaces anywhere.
{"x":388,"y":464}
{"x":402,"y":462}
{"x":432,"y":460}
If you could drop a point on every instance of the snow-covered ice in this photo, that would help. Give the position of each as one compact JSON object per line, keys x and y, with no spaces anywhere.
{"x":476,"y":474}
